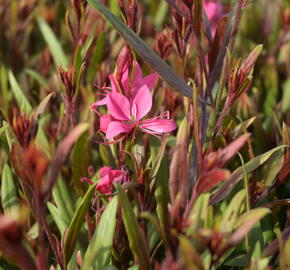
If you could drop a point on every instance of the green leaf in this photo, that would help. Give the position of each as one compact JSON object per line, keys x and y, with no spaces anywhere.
{"x":162,"y":199}
{"x":145,"y":52}
{"x":190,"y":255}
{"x":99,"y":249}
{"x":136,"y":238}
{"x":98,"y":55}
{"x":286,"y":97}
{"x":80,"y":162}
{"x":160,"y":14}
{"x":22,"y":101}
{"x":8,"y":190}
{"x":156,"y":157}
{"x":76,"y":224}
{"x":39,"y":78}
{"x":246,"y":222}
{"x":53,"y":43}
{"x":232,"y":212}
{"x":58,"y":219}
{"x":199,"y":213}
{"x":63,"y":200}
{"x":237,"y":175}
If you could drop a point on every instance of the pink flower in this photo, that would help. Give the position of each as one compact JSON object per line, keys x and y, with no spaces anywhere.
{"x":128,"y":87}
{"x":108,"y":177}
{"x":126,"y":114}
{"x":214,"y":11}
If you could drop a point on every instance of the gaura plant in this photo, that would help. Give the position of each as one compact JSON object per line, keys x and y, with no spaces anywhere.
{"x":144,"y":134}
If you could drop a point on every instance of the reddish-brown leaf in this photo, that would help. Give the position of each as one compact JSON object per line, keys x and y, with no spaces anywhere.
{"x":210,"y":179}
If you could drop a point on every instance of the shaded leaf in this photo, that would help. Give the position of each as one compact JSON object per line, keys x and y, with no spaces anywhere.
{"x":11,"y":245}
{"x":178,"y":179}
{"x":62,"y":152}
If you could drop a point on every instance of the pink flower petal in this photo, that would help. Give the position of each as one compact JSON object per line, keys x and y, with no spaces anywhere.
{"x":100,"y":102}
{"x":105,"y":185}
{"x":158,"y":126}
{"x":115,"y":128}
{"x":141,"y":103}
{"x":104,"y":170}
{"x":137,"y":74}
{"x":125,"y":79}
{"x":118,"y":106}
{"x":150,"y":80}
{"x":114,"y":84}
{"x":104,"y":122}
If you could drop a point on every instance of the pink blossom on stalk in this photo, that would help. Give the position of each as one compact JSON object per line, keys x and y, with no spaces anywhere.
{"x":126,"y":114}
{"x":128,"y":87}
{"x":108,"y":176}
{"x":214,"y":11}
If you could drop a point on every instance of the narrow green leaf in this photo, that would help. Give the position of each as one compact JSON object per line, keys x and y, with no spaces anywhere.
{"x":8,"y":190}
{"x":162,"y":199}
{"x":199,"y":213}
{"x":76,"y":224}
{"x":136,"y":237}
{"x":156,"y":162}
{"x":52,"y":43}
{"x":22,"y":101}
{"x":80,"y":162}
{"x":160,"y":14}
{"x":190,"y":255}
{"x":246,"y":222}
{"x":58,"y":219}
{"x":39,"y":78}
{"x":232,"y":211}
{"x":99,"y":250}
{"x":60,"y":202}
{"x":98,"y":54}
{"x":286,"y":96}
{"x":237,"y":175}
{"x":145,"y":52}
{"x":88,"y":42}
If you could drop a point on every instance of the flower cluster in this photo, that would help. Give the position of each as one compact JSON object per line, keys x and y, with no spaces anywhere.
{"x":127,"y":103}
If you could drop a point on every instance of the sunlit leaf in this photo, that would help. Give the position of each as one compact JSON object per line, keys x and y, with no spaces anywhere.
{"x":136,"y":238}
{"x":52,"y":43}
{"x":99,"y":250}
{"x":21,"y":99}
{"x":76,"y":224}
